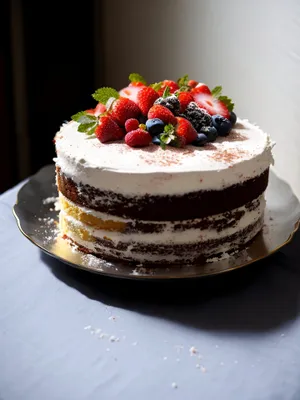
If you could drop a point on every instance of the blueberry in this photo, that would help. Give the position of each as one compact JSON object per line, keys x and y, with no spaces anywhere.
{"x":232,"y":118}
{"x":223,"y":125}
{"x":156,"y":140}
{"x":201,"y":140}
{"x":211,"y":132}
{"x":155,"y":126}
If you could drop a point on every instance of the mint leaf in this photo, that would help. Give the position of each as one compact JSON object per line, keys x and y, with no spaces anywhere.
{"x":166,"y":92}
{"x":216,"y":91}
{"x":135,"y":77}
{"x":91,"y":131}
{"x":80,"y":114}
{"x":103,"y":94}
{"x":169,"y":129}
{"x":228,"y":102}
{"x":86,"y":127}
{"x":183,"y":81}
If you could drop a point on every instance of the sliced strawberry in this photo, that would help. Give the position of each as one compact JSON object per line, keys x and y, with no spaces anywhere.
{"x":131,"y":91}
{"x":185,"y":98}
{"x":185,"y":128}
{"x":138,"y":138}
{"x":211,"y":105}
{"x":99,"y":109}
{"x":172,"y":85}
{"x":200,"y":88}
{"x":108,"y":130}
{"x":123,"y":109}
{"x":145,"y":99}
{"x":163,"y":113}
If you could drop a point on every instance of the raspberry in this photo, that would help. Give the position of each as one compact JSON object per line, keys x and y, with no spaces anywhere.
{"x":131,"y":124}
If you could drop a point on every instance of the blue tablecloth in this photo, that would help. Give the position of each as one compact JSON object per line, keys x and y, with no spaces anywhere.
{"x":70,"y":334}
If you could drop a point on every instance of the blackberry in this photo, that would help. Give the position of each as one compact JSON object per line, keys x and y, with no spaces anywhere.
{"x":170,"y":102}
{"x":197,"y":116}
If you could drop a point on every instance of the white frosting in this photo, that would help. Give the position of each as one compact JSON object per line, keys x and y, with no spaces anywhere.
{"x":242,"y":155}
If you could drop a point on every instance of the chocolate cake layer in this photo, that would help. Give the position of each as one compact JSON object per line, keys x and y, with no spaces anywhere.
{"x":195,"y":252}
{"x":191,"y":205}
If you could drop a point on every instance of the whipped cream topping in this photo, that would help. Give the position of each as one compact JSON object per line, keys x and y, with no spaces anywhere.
{"x":245,"y":153}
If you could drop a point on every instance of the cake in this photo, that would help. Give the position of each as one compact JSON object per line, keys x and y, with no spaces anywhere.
{"x":161,"y":173}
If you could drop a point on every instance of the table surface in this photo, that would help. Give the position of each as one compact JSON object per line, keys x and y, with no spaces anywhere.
{"x":70,"y":334}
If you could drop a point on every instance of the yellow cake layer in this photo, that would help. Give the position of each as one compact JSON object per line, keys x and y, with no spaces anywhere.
{"x":89,"y":219}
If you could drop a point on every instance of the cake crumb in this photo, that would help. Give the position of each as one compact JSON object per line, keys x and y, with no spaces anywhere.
{"x":203,"y":369}
{"x":193,"y":351}
{"x":165,"y":358}
{"x":174,"y":385}
{"x":88,"y":327}
{"x":134,"y":343}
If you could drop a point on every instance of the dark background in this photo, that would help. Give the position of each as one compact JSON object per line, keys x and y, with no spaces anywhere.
{"x":47,"y":73}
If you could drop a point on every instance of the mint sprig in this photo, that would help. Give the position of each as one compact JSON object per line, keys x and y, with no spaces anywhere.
{"x":135,"y":77}
{"x":168,"y":137}
{"x":105,"y":93}
{"x":217,"y":93}
{"x":156,"y":86}
{"x":183,"y":83}
{"x":87,"y":122}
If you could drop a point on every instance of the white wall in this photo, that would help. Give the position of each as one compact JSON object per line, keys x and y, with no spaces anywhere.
{"x":250,"y":47}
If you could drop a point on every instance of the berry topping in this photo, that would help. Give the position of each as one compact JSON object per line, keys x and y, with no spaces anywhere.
{"x":211,"y":133}
{"x":131,"y":124}
{"x":200,"y":88}
{"x":98,"y":110}
{"x":138,"y":138}
{"x":167,"y":83}
{"x":201,"y":140}
{"x":223,"y":125}
{"x":170,"y":137}
{"x":185,"y":128}
{"x":156,"y":140}
{"x":155,"y":126}
{"x":197,"y":116}
{"x":232,"y":118}
{"x":108,"y":130}
{"x":192,"y":83}
{"x":211,"y":105}
{"x":184,"y":98}
{"x":163,"y":113}
{"x":123,"y":109}
{"x":145,"y":99}
{"x":171,"y":102}
{"x":131,"y":91}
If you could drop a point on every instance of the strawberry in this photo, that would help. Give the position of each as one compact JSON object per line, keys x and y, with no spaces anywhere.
{"x":138,"y":138}
{"x":184,"y":98}
{"x":108,"y":130}
{"x":122,"y":109}
{"x":192,"y":83}
{"x":99,"y":109}
{"x":185,"y":128}
{"x":145,"y":98}
{"x":163,"y":113}
{"x":200,"y":88}
{"x":131,"y":124}
{"x":211,"y":104}
{"x":171,"y":84}
{"x":131,"y":91}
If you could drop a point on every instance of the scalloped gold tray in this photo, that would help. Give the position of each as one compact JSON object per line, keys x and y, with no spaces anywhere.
{"x":37,"y":220}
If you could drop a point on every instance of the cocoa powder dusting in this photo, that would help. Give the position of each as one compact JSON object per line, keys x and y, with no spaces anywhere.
{"x":228,"y":156}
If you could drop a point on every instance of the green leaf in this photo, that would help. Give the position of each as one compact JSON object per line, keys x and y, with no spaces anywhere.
{"x":135,"y":77}
{"x":103,"y":94}
{"x":228,"y":102}
{"x":183,"y":81}
{"x":163,"y":145}
{"x":169,"y":129}
{"x":216,"y":91}
{"x":91,"y":131}
{"x":156,"y":86}
{"x":80,"y":114}
{"x":166,"y":92}
{"x":86,"y":127}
